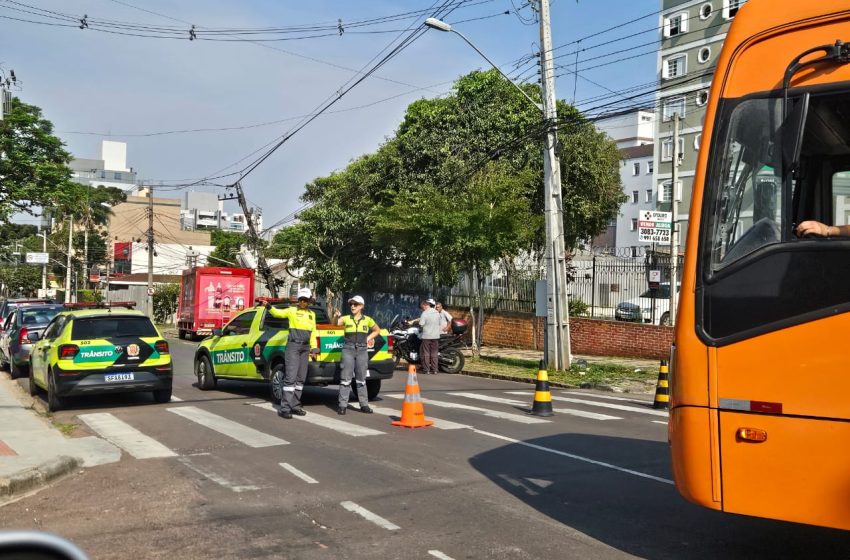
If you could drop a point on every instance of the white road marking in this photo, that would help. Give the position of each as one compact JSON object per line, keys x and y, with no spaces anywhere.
{"x":220,"y":480}
{"x":341,"y":426}
{"x":239,"y":432}
{"x":519,"y":484}
{"x":540,"y":482}
{"x":440,"y":555}
{"x":438,"y":423}
{"x":573,"y":456}
{"x":368,"y":515}
{"x":125,"y":436}
{"x":176,"y":399}
{"x":605,"y":405}
{"x":570,"y":411}
{"x":300,"y":474}
{"x":659,"y":422}
{"x":522,"y":419}
{"x":593,"y":395}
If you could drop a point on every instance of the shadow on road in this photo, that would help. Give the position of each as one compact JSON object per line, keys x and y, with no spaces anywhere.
{"x":640,"y":516}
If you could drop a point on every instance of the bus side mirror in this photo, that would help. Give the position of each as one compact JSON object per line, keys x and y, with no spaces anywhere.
{"x":791,"y":135}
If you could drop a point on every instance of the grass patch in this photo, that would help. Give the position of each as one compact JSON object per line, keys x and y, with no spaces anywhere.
{"x":592,"y":374}
{"x":66,"y":428}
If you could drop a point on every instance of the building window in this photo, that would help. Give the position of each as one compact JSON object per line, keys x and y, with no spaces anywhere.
{"x":634,"y":225}
{"x":703,"y":55}
{"x":645,"y":118}
{"x":665,"y":191}
{"x":636,"y":168}
{"x":675,"y":67}
{"x":705,"y":11}
{"x":667,"y":149}
{"x":676,"y":24}
{"x":649,"y":167}
{"x":702,"y":97}
{"x":634,"y":197}
{"x":697,"y":141}
{"x":731,"y":7}
{"x":117,"y":176}
{"x":673,"y":105}
{"x":648,"y":195}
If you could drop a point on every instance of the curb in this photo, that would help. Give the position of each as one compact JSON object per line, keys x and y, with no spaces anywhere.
{"x":531,"y":381}
{"x":32,"y":477}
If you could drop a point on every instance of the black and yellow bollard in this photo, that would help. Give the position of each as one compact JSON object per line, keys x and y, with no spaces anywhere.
{"x":542,"y":396}
{"x":662,"y":389}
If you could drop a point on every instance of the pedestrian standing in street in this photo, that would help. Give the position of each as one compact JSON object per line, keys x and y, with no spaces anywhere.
{"x":445,"y":318}
{"x":360,"y":333}
{"x":300,"y":345}
{"x":429,"y":325}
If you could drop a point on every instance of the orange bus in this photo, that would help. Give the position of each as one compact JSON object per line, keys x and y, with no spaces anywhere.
{"x":760,"y":381}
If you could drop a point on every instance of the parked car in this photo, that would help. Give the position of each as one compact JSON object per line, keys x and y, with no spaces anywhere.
{"x":640,"y":309}
{"x":15,"y":343}
{"x":9,"y":305}
{"x":95,"y":349}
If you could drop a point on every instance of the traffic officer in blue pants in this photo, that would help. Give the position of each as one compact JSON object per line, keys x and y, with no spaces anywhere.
{"x":360,"y":332}
{"x":299,"y":347}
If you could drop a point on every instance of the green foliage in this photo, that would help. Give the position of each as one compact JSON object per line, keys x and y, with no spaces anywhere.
{"x":21,"y":279}
{"x":459,"y":185}
{"x":89,"y":296}
{"x":227,"y":245}
{"x":577,"y":308}
{"x":165,"y":302}
{"x":34,"y":168}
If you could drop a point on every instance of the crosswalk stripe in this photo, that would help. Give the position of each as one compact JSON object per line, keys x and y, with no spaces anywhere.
{"x":344,"y":427}
{"x":125,"y":436}
{"x":368,"y":515}
{"x":604,"y":405}
{"x":512,"y":402}
{"x":607,"y":397}
{"x":241,"y":433}
{"x":299,"y":473}
{"x":491,"y":413}
{"x":438,"y":423}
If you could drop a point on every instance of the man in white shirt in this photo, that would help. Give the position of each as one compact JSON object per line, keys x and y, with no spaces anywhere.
{"x":445,"y":318}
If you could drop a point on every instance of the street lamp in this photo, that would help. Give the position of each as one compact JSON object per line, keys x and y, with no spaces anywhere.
{"x":557,"y":322}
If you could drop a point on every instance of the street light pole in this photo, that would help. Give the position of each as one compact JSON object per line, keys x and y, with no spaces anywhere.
{"x":557,"y":322}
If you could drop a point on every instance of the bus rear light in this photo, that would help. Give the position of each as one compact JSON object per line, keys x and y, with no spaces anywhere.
{"x":752,"y":435}
{"x":763,"y":407}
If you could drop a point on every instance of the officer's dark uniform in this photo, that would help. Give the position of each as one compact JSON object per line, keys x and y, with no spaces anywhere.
{"x":355,"y":359}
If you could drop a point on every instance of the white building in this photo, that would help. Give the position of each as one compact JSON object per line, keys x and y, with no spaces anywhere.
{"x":203,"y":210}
{"x":633,"y":132}
{"x":110,"y":170}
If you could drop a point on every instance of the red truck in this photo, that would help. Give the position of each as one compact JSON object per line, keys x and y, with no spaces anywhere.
{"x":211,"y":296}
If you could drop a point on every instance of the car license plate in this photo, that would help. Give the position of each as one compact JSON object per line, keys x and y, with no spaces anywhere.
{"x":118,"y":377}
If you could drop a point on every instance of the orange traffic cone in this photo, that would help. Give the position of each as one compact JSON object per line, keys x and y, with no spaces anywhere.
{"x":412,"y":411}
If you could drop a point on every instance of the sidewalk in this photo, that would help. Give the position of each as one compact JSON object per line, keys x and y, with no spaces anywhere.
{"x":32,"y":452}
{"x":537,"y":355}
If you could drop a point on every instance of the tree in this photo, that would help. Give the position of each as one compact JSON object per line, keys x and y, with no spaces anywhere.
{"x":34,"y":164}
{"x":165,"y":302}
{"x":227,"y":245}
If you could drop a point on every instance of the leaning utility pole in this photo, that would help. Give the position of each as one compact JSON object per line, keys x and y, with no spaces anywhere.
{"x":254,"y":241}
{"x":557,"y":320}
{"x":150,"y":252}
{"x":674,"y":232}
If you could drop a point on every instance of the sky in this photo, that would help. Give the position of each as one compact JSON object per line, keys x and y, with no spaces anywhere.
{"x":108,"y":86}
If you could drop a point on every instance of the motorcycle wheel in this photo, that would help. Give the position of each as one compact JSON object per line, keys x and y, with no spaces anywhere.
{"x":451,"y":360}
{"x":396,"y":357}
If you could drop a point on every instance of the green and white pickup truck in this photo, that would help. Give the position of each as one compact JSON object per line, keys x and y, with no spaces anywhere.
{"x":251,"y":347}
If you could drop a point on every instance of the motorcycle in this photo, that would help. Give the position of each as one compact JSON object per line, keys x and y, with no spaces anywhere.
{"x":406,"y":343}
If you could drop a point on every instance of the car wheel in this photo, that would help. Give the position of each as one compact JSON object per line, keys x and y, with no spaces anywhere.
{"x":14,"y":370}
{"x":32,"y":386}
{"x":4,"y":365}
{"x":163,"y":395}
{"x":373,"y":387}
{"x":54,"y":401}
{"x":665,"y":320}
{"x":181,"y":334}
{"x":276,"y":382}
{"x":204,"y":373}
{"x":451,"y":361}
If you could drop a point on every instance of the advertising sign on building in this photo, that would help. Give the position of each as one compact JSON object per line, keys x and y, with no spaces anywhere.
{"x":654,"y":227}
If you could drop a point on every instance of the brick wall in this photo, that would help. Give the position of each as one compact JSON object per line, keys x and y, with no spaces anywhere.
{"x":587,"y":336}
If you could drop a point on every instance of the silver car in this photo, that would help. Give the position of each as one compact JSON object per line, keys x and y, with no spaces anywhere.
{"x":15,"y":343}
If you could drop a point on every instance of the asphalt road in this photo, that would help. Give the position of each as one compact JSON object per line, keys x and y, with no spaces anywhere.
{"x":218,"y":475}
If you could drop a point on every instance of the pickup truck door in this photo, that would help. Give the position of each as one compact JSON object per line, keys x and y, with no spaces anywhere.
{"x":231,"y":352}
